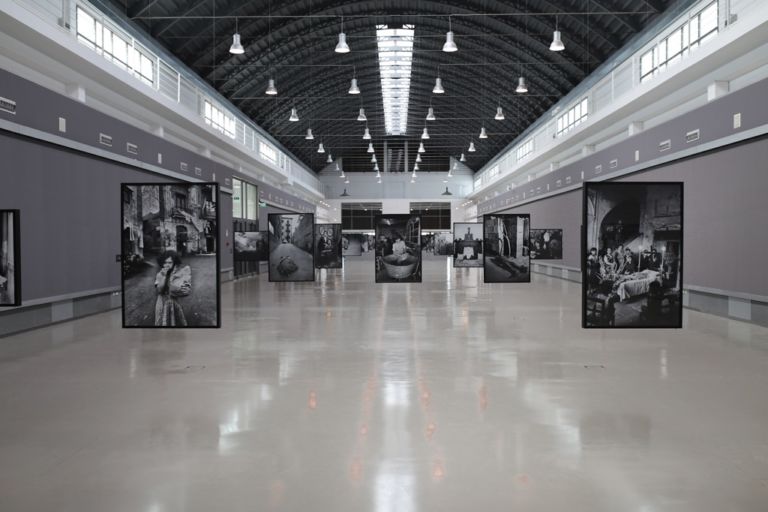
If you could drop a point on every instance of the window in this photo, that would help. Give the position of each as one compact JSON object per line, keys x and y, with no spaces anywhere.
{"x":181,"y":201}
{"x":494,"y":172}
{"x":524,"y":150}
{"x":267,"y":152}
{"x":572,"y":118}
{"x":359,"y":215}
{"x":237,"y":198}
{"x":121,"y":49}
{"x":251,"y":202}
{"x":218,"y":119}
{"x":478,"y":183}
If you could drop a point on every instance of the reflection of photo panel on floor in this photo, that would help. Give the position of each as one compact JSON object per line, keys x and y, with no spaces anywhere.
{"x":468,"y":244}
{"x":328,"y":246}
{"x":291,"y":247}
{"x":10,"y":260}
{"x":505,"y":242}
{"x":251,"y":246}
{"x":170,"y":258}
{"x":398,"y":249}
{"x":546,"y":244}
{"x":633,"y":238}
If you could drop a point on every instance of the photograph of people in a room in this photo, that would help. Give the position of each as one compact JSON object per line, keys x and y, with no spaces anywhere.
{"x":546,"y":244}
{"x":468,"y":244}
{"x":398,"y":249}
{"x":251,"y":246}
{"x":632,"y":272}
{"x":291,"y":246}
{"x":352,"y":244}
{"x":507,"y":255}
{"x":170,"y":259}
{"x":10,"y":275}
{"x":328,"y":246}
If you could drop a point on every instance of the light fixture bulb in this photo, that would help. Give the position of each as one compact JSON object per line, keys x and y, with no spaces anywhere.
{"x":431,"y":114}
{"x":557,"y":42}
{"x":271,"y":89}
{"x":499,"y":114}
{"x":367,"y":134}
{"x":320,"y":148}
{"x":376,"y":168}
{"x":237,"y":47}
{"x":370,"y":147}
{"x":462,"y":158}
{"x":418,"y":157}
{"x":361,"y":116}
{"x":438,"y":89}
{"x":294,"y":115}
{"x":471,"y":147}
{"x":483,"y":133}
{"x":373,"y":158}
{"x":330,"y":159}
{"x":521,"y":85}
{"x":309,"y":135}
{"x":413,"y":175}
{"x":421,"y":148}
{"x":342,"y":46}
{"x":450,"y":44}
{"x":425,"y":133}
{"x":415,"y":167}
{"x":353,"y":88}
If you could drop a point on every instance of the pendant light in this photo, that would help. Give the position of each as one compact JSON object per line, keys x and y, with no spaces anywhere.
{"x":413,"y":175}
{"x":431,"y":114}
{"x":471,"y":147}
{"x":309,"y":135}
{"x":344,"y":194}
{"x":330,"y":159}
{"x":320,"y":148}
{"x":415,"y":167}
{"x":361,"y":116}
{"x":271,"y":89}
{"x":421,"y":148}
{"x":353,"y":88}
{"x":342,"y":46}
{"x":294,"y":115}
{"x":462,"y":158}
{"x":557,"y":40}
{"x":450,"y":44}
{"x":346,"y":180}
{"x":425,"y":134}
{"x":418,"y":157}
{"x":339,"y":168}
{"x":438,"y":89}
{"x":499,"y":114}
{"x":367,"y":134}
{"x":237,"y":47}
{"x":373,"y":158}
{"x":521,"y":85}
{"x":376,"y":168}
{"x":370,"y":147}
{"x":483,"y":133}
{"x":447,"y":192}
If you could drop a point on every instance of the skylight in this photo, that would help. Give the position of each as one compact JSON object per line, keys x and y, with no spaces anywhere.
{"x":395,"y":58}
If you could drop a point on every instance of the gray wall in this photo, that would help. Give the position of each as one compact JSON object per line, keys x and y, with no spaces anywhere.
{"x":725,"y":234}
{"x":70,"y":216}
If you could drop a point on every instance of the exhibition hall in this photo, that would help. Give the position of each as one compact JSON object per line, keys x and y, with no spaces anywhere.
{"x":383,"y":255}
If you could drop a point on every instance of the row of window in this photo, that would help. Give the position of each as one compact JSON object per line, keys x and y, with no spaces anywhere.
{"x":245,"y":200}
{"x":699,"y":28}
{"x":575,"y":115}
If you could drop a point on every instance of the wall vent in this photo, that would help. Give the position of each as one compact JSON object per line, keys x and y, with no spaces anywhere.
{"x":665,"y":145}
{"x":132,"y":148}
{"x":598,"y":169}
{"x":692,"y":136}
{"x":184,"y":167}
{"x":737,"y":121}
{"x":159,"y":158}
{"x":105,"y":140}
{"x":613,"y":163}
{"x":637,"y":155}
{"x":63,"y":125}
{"x":567,"y":180}
{"x":198,"y":171}
{"x":7,"y":105}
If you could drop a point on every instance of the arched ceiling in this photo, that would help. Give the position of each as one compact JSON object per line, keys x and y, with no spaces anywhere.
{"x":294,"y":41}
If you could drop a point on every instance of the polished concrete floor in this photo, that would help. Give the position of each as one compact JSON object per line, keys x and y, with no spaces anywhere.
{"x":343,"y":395}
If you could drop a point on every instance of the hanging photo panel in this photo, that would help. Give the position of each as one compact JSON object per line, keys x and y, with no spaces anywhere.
{"x":328,"y":245}
{"x":546,"y":244}
{"x":398,"y":249}
{"x":10,"y":260}
{"x":353,"y":244}
{"x":291,"y":247}
{"x":507,"y":255}
{"x":633,"y":254}
{"x":170,"y":255}
{"x":468,"y":244}
{"x":251,"y":246}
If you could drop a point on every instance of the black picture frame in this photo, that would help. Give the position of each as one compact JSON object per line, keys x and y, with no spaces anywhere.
{"x":328,"y":258}
{"x":15,"y":224}
{"x":494,"y":263}
{"x":553,"y":254}
{"x":458,"y":245}
{"x":214,"y":235}
{"x":293,"y":253}
{"x":386,"y":268}
{"x":674,"y":318}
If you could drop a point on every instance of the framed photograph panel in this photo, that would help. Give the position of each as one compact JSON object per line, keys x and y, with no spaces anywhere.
{"x":506,"y":240}
{"x":632,"y":246}
{"x":328,"y":246}
{"x":398,"y":249}
{"x":546,"y":244}
{"x":353,"y":244}
{"x":291,"y":247}
{"x":251,"y":246}
{"x":10,"y":259}
{"x":170,"y":255}
{"x":467,"y":244}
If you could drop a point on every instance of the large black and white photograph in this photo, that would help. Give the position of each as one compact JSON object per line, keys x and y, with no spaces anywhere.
{"x":506,"y":240}
{"x":291,"y":247}
{"x":468,"y":244}
{"x":10,"y":248}
{"x":442,"y":244}
{"x":546,"y":244}
{"x":353,"y":244}
{"x":633,"y":240}
{"x":328,"y":246}
{"x":251,"y":246}
{"x":398,"y":249}
{"x":170,"y":255}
